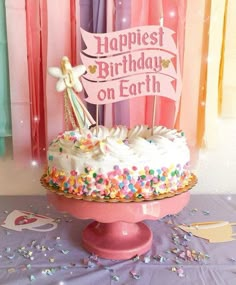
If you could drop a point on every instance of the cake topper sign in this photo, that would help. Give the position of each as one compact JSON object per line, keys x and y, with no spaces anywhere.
{"x":129,"y":63}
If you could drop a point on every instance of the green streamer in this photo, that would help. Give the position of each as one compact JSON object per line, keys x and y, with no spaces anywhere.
{"x":5,"y":115}
{"x":2,"y":146}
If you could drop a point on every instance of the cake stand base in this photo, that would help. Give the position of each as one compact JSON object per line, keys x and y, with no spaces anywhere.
{"x":118,"y":240}
{"x":118,"y":231}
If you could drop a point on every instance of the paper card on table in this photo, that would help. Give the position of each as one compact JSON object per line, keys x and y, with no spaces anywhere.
{"x":21,"y":220}
{"x":215,"y":231}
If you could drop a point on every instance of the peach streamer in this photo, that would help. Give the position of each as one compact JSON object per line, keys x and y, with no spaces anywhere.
{"x":222,"y":62}
{"x":191,"y":113}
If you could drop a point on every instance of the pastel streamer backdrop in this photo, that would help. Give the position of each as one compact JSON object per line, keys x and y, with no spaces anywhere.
{"x":47,"y":30}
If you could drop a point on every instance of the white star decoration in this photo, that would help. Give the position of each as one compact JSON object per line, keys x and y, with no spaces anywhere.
{"x":68,"y":81}
{"x":68,"y":75}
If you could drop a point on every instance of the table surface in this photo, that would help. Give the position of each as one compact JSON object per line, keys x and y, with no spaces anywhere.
{"x":57,"y":257}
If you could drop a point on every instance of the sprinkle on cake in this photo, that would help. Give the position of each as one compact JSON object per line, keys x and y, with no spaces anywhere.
{"x":118,"y":163}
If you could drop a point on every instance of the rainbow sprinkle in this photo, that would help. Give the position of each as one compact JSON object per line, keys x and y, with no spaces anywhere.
{"x":119,"y":183}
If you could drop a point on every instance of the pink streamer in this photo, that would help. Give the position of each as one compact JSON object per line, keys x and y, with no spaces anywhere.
{"x":59,"y":44}
{"x":18,"y":73}
{"x":121,"y":110}
{"x":165,"y":108}
{"x":36,"y":80}
{"x":46,"y":31}
{"x":73,"y":35}
{"x":108,"y":114}
{"x":151,"y":12}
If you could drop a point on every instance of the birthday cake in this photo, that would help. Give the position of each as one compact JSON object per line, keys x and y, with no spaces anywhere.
{"x":98,"y":163}
{"x":119,"y":164}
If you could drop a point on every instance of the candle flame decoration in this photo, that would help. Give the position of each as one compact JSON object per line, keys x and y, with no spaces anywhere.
{"x":69,"y":81}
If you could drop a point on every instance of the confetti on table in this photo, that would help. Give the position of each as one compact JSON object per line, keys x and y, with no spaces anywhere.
{"x":11,"y":270}
{"x":69,"y":221}
{"x":93,"y":257}
{"x":11,"y":256}
{"x":64,"y":267}
{"x":187,"y":236}
{"x":49,"y":271}
{"x":175,"y":239}
{"x":32,"y":278}
{"x":65,"y":251}
{"x":194,"y":210}
{"x":182,"y":255}
{"x":180,"y":272}
{"x":89,"y":263}
{"x":175,"y":250}
{"x":51,"y":259}
{"x":43,"y":248}
{"x":206,"y":213}
{"x":115,"y":278}
{"x":146,"y":259}
{"x":134,"y":275}
{"x":160,"y":258}
{"x":178,"y":261}
{"x":33,"y":242}
{"x":50,"y":248}
{"x":108,"y":268}
{"x":136,"y":258}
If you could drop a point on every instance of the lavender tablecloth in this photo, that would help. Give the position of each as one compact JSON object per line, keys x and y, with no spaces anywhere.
{"x":57,"y":257}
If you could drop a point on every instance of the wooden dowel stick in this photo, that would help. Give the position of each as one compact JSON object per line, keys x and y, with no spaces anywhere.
{"x":97,"y":116}
{"x":154,"y":113}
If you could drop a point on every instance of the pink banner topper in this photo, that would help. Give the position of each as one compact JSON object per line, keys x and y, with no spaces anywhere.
{"x":109,"y":68}
{"x":149,"y":84}
{"x":145,"y":37}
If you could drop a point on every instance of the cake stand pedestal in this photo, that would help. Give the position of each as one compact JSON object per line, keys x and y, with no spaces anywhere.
{"x":118,"y":231}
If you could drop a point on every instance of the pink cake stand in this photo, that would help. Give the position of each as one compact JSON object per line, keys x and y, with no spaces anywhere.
{"x":117,"y":232}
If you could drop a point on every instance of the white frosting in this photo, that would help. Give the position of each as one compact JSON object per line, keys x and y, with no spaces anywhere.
{"x":139,"y":131}
{"x":106,"y":148}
